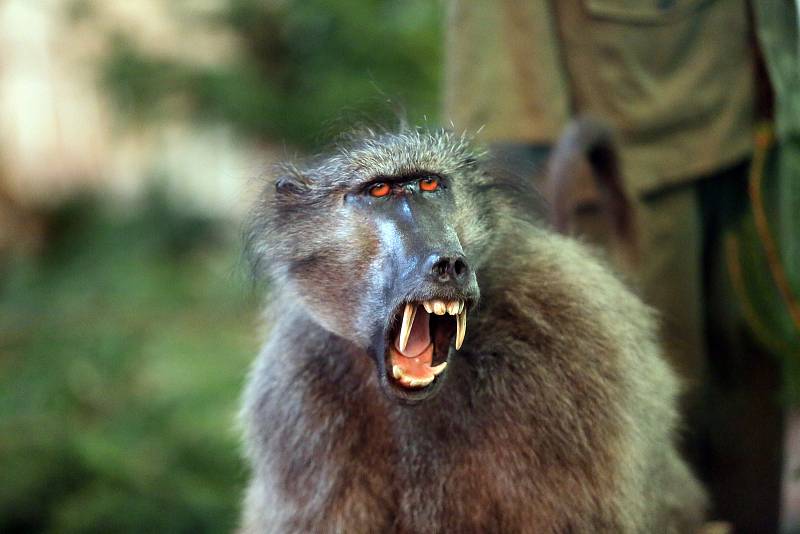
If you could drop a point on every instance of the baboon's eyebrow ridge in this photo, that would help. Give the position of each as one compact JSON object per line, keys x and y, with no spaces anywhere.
{"x":411,"y":176}
{"x":410,"y":152}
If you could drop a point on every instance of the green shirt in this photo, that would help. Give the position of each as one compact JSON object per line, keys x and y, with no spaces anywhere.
{"x":676,"y":78}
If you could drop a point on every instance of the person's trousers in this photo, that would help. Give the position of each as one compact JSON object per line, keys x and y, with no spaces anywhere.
{"x":732,"y":405}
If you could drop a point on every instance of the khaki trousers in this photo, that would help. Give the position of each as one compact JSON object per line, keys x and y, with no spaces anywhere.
{"x":734,"y":421}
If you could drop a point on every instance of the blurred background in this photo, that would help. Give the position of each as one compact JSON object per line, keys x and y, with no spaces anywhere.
{"x":132,"y":136}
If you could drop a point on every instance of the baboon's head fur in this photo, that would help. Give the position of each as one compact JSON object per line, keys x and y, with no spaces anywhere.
{"x":379,"y":243}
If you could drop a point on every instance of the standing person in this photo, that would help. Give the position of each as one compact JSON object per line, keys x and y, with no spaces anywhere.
{"x":678,"y":79}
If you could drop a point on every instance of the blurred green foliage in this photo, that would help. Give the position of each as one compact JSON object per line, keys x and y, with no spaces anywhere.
{"x":123,"y":348}
{"x":309,"y":69}
{"x":124,"y":344}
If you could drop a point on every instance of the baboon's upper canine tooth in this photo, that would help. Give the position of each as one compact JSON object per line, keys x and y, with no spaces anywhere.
{"x":408,"y":320}
{"x":397,"y":371}
{"x":428,"y":306}
{"x":439,"y":307}
{"x":461,"y":329}
{"x":437,"y":369}
{"x":452,"y":307}
{"x":461,"y":306}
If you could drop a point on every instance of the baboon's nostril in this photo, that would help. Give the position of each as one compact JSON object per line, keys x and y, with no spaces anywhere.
{"x":445,"y":268}
{"x":441,"y":267}
{"x":460,"y":268}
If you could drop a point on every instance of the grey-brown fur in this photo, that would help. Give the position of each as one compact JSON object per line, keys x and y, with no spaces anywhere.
{"x":557,"y":414}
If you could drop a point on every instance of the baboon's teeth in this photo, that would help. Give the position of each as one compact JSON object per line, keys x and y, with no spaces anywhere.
{"x":397,"y":371}
{"x":437,"y":369}
{"x":416,"y":382}
{"x":441,"y":307}
{"x":409,"y":313}
{"x":461,"y":329}
{"x":410,"y":381}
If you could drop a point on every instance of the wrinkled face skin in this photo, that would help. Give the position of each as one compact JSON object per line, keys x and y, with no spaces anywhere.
{"x":372,"y":244}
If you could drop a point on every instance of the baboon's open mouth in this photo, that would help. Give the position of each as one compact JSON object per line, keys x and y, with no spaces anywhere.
{"x":419,"y":345}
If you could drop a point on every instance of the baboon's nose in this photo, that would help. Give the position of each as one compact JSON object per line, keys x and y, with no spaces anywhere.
{"x":449,"y":268}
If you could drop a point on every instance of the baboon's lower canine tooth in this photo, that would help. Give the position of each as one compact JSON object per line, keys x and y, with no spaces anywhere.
{"x":397,"y":371}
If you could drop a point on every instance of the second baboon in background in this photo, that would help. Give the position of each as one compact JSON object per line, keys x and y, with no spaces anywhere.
{"x":440,"y":360}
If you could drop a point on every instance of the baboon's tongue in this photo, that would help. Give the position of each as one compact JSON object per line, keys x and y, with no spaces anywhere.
{"x":418,"y":367}
{"x":420,"y":336}
{"x":415,"y":360}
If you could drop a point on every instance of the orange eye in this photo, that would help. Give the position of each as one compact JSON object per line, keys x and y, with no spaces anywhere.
{"x":430,"y":183}
{"x":380,"y":190}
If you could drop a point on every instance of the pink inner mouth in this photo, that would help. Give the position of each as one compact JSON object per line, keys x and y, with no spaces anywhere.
{"x":420,"y":336}
{"x":415,"y":360}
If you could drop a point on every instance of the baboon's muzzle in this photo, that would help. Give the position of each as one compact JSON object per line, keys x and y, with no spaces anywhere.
{"x":431,"y":288}
{"x":425,"y":327}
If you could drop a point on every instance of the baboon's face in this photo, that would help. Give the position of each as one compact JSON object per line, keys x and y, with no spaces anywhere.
{"x":378,"y":257}
{"x":420,"y":282}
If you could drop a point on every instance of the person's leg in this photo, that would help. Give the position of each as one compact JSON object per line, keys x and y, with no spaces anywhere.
{"x":669,"y":277}
{"x":731,"y":411}
{"x":745,"y":415}
{"x":732,"y":417}
{"x":668,"y":273}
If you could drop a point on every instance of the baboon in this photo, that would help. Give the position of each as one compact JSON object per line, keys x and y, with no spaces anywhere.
{"x":441,"y":360}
